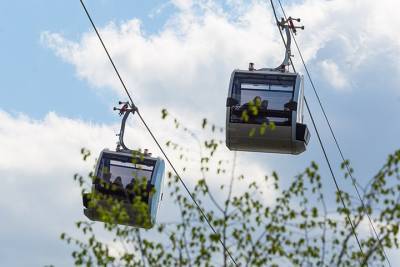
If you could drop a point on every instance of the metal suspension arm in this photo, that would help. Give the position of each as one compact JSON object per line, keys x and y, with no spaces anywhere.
{"x":125,"y":110}
{"x":288,"y":52}
{"x":288,"y":25}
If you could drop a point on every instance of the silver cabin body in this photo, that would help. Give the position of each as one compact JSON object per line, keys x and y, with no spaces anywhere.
{"x":282,"y":99}
{"x":128,"y":166}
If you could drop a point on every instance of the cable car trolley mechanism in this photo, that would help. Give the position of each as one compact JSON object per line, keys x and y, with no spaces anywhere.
{"x":265,"y":107}
{"x":127,"y":184}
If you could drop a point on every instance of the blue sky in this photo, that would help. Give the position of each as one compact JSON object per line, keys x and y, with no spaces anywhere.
{"x":33,"y":73}
{"x":57,"y":92}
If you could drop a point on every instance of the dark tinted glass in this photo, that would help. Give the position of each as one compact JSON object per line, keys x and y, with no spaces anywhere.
{"x":276,"y":90}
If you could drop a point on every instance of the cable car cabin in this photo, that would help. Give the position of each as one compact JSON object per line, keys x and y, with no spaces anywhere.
{"x":132,"y":182}
{"x":278,"y":98}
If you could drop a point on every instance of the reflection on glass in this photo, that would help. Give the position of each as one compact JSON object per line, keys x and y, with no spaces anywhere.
{"x":276,"y":100}
{"x":128,"y":172}
{"x":276,"y":91}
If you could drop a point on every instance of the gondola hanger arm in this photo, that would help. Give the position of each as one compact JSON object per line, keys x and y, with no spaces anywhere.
{"x":125,"y":110}
{"x":288,"y":25}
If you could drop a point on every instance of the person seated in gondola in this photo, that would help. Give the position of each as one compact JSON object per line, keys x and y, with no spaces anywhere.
{"x":115,"y":187}
{"x":133,"y":188}
{"x":104,"y":184}
{"x":255,"y":111}
{"x":130,"y":189}
{"x":117,"y":183}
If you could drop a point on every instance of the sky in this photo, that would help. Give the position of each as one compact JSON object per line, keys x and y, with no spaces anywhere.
{"x":57,"y":90}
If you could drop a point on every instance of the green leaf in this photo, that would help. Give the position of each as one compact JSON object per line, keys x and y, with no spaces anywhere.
{"x":164,"y":113}
{"x":204,"y":123}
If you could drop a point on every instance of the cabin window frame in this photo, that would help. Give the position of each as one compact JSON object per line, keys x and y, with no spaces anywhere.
{"x":268,"y":80}
{"x":105,"y":166}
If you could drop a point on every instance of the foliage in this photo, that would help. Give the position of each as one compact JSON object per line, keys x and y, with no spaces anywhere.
{"x":298,"y":229}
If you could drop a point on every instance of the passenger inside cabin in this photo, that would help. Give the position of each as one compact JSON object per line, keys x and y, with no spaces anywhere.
{"x":134,"y":187}
{"x":117,"y":185}
{"x":255,"y":111}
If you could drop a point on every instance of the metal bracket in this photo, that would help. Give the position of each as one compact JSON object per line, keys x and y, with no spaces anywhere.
{"x":125,"y":110}
{"x":288,"y":26}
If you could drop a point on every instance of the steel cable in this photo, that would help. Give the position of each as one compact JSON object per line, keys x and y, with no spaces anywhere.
{"x":354,"y":182}
{"x":155,"y":139}
{"x":319,"y":138}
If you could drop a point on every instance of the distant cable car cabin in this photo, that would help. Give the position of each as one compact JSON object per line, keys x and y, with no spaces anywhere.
{"x":258,"y":99}
{"x":127,"y":179}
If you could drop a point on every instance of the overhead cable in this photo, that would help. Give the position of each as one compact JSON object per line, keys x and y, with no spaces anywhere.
{"x":322,"y":147}
{"x":155,"y":139}
{"x":346,"y":163}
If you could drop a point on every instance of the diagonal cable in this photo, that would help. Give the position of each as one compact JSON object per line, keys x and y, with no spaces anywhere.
{"x":321,"y":144}
{"x":155,"y":139}
{"x":354,"y":182}
{"x":353,"y":228}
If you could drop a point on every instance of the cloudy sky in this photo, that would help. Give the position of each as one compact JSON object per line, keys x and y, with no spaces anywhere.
{"x":57,"y":91}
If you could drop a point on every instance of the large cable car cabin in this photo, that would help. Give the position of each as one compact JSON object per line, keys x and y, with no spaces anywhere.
{"x":258,"y":99}
{"x":127,"y":186}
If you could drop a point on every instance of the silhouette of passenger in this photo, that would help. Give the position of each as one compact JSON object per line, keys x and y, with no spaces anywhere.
{"x":117,"y":185}
{"x":256,"y":110}
{"x":134,"y":188}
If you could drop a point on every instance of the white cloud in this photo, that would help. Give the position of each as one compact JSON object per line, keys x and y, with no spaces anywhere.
{"x":187,"y":64}
{"x":48,"y":145}
{"x":333,"y":75}
{"x":363,"y":25}
{"x":39,"y":198}
{"x":186,"y":67}
{"x":183,"y":4}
